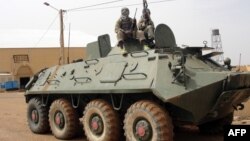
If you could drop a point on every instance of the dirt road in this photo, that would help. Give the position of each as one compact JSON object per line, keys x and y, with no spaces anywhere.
{"x":13,"y":124}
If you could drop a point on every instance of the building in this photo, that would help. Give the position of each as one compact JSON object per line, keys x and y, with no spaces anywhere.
{"x":242,"y":68}
{"x":23,"y":63}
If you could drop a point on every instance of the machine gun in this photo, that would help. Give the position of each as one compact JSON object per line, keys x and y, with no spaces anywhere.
{"x":145,"y":4}
{"x":146,"y":11}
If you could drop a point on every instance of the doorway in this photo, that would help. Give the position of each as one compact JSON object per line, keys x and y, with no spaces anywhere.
{"x":23,"y":82}
{"x":23,"y":74}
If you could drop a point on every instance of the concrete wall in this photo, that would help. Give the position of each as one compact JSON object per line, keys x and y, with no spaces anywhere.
{"x":242,"y":68}
{"x":39,"y":58}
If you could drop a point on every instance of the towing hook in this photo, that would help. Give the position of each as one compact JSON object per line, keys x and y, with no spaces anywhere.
{"x":239,"y":107}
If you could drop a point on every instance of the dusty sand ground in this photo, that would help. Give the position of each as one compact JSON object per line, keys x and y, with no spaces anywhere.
{"x":13,"y":123}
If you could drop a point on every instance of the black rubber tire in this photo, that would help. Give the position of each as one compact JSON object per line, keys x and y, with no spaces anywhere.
{"x":157,"y":118}
{"x":216,"y":127}
{"x":109,"y":117}
{"x":42,"y":126}
{"x":70,"y":116}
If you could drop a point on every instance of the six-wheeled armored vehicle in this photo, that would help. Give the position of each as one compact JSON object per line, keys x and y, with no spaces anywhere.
{"x":144,"y":93}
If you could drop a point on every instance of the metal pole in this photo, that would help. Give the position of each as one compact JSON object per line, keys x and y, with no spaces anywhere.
{"x":62,"y":37}
{"x":240,"y":62}
{"x":68,"y":45}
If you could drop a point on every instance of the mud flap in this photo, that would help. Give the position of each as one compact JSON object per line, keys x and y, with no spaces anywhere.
{"x":226,"y":102}
{"x":232,"y":97}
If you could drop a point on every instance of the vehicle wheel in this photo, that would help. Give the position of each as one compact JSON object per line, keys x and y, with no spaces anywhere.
{"x":147,"y":121}
{"x":63,"y":119}
{"x":101,"y":122}
{"x":37,"y":116}
{"x":216,"y":127}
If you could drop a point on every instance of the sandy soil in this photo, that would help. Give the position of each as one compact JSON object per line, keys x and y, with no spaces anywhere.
{"x":13,"y":123}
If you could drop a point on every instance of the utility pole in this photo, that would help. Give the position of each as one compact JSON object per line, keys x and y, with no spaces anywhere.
{"x":62,"y":56}
{"x":61,"y":12}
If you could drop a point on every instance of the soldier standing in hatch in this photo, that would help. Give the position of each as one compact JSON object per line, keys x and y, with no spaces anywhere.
{"x":147,"y":26}
{"x":126,"y":28}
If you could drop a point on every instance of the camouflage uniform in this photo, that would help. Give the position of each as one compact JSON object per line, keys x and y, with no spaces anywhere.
{"x":147,"y":25}
{"x":126,"y":28}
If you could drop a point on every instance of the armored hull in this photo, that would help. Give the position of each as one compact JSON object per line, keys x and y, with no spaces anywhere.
{"x":151,"y":90}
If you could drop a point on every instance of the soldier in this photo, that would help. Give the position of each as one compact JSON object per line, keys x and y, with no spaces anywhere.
{"x":126,"y":28}
{"x":147,"y":26}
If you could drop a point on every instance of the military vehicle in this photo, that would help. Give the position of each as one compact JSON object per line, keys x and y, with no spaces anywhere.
{"x":145,"y":93}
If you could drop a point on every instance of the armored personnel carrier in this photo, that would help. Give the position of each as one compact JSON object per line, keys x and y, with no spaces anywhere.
{"x":144,"y":93}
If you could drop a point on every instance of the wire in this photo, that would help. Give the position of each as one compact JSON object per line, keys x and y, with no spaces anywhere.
{"x":128,"y":5}
{"x":57,"y":15}
{"x":73,"y":9}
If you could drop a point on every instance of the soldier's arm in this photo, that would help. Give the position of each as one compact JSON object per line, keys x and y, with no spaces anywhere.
{"x":140,"y":24}
{"x":118,"y":26}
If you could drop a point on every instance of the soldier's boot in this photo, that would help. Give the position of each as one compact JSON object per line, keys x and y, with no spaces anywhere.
{"x":145,"y":45}
{"x":151,"y":43}
{"x":123,"y":50}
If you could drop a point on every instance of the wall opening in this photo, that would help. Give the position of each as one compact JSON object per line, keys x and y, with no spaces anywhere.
{"x":23,"y":75}
{"x":23,"y":81}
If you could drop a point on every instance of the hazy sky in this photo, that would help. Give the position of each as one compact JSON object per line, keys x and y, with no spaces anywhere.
{"x":24,"y":22}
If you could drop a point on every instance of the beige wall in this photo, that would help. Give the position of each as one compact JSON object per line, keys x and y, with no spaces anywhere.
{"x":39,"y":58}
{"x":242,"y":68}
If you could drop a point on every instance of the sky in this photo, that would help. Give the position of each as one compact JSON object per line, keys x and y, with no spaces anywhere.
{"x":29,"y":23}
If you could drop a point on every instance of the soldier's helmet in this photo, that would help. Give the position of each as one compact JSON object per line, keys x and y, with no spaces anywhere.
{"x":125,"y":12}
{"x":227,"y":61}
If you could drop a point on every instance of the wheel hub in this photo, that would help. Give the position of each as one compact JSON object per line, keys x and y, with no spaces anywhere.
{"x":34,"y":116}
{"x":59,"y":119}
{"x":143,"y":130}
{"x":96,"y":125}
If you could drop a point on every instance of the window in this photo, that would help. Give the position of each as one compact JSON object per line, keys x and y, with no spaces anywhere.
{"x":20,"y":58}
